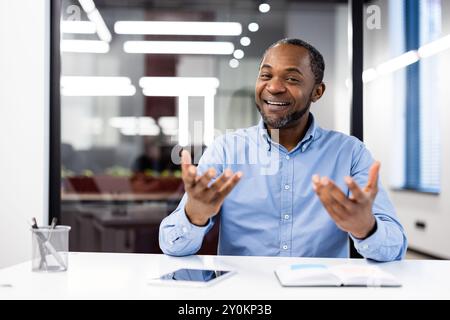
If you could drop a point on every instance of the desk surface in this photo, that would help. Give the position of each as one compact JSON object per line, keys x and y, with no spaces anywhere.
{"x":123,"y":276}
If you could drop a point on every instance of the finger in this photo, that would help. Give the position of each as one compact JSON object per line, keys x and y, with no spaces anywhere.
{"x":228,"y":186}
{"x":327,"y":198}
{"x":336,"y":193}
{"x":372,"y":183}
{"x":334,"y":209}
{"x":188,"y":177}
{"x":188,"y":171}
{"x":357,"y":194}
{"x":185,"y":159}
{"x":316,"y":181}
{"x":220,"y":181}
{"x":212,"y":192}
{"x":336,"y":218}
{"x":202,"y":183}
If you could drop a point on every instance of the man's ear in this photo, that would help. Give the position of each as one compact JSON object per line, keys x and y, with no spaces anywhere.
{"x":318,"y":91}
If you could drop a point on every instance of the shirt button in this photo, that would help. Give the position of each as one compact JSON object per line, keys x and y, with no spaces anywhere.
{"x":287,"y":157}
{"x":365,"y":246}
{"x":285,"y":247}
{"x":286,"y":187}
{"x":184,"y":229}
{"x":286,"y":217}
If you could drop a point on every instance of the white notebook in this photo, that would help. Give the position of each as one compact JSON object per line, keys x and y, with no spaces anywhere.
{"x":318,"y":275}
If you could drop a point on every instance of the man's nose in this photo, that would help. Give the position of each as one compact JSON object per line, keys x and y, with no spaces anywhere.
{"x":275,"y":85}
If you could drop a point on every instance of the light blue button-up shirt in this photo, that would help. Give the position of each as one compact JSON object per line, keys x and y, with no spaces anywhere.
{"x":274,"y":211}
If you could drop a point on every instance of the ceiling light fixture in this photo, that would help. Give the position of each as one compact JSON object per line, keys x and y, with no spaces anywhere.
{"x":200,"y":28}
{"x":179,"y":47}
{"x":88,"y":46}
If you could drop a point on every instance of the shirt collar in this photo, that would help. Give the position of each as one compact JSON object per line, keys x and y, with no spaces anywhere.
{"x":311,"y":134}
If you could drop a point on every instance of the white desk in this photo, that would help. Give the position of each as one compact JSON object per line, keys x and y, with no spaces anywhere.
{"x":123,"y":276}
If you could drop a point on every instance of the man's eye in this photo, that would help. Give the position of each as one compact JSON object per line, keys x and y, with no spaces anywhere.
{"x":264,"y":76}
{"x":293,"y":80}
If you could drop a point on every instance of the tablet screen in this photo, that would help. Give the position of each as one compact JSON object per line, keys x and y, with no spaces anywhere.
{"x":196,"y":275}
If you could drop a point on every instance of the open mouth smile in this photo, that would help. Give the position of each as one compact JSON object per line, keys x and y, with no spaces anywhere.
{"x":276,"y":105}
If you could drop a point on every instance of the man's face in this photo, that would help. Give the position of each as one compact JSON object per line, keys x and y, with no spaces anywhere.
{"x":284,"y":86}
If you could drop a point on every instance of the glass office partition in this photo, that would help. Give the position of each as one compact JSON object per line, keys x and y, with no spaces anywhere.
{"x":142,"y":79}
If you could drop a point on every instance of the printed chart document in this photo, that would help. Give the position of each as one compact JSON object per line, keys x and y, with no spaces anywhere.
{"x":320,"y":275}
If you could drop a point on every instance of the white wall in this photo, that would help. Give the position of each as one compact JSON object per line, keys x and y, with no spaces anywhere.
{"x":24,"y":79}
{"x":381,"y":122}
{"x":327,"y":20}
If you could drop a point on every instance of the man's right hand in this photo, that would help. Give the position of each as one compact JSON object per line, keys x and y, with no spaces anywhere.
{"x":205,"y":201}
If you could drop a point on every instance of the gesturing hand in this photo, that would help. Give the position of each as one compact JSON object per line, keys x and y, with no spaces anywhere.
{"x":204,"y":200}
{"x":353,"y":214}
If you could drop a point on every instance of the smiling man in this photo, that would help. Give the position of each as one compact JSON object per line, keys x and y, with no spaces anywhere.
{"x":321,"y":188}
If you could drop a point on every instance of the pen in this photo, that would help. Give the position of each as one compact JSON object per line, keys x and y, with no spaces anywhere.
{"x":41,"y":241}
{"x":52,"y":226}
{"x":34,"y":223}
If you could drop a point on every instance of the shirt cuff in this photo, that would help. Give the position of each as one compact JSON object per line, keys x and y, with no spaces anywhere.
{"x":370,"y":245}
{"x":190,"y":230}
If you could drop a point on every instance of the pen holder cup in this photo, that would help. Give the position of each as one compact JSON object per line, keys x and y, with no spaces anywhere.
{"x":50,"y":248}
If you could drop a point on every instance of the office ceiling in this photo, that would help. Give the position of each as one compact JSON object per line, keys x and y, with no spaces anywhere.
{"x":206,"y":3}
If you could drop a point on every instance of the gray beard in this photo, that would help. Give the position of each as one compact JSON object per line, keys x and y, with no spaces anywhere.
{"x":285,"y":121}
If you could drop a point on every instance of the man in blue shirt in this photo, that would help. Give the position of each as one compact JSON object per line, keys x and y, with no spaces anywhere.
{"x":286,"y":187}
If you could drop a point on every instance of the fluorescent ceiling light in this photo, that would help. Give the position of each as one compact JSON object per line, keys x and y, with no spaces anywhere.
{"x":88,"y":46}
{"x":369,"y":75}
{"x":168,"y":122}
{"x":178,"y":86}
{"x":209,"y":82}
{"x":399,"y":62}
{"x":264,"y":7}
{"x":179,"y":47}
{"x":126,"y":122}
{"x":253,"y":27}
{"x":96,"y":86}
{"x":98,"y":91}
{"x":131,"y":126}
{"x":152,"y":131}
{"x":82,"y":27}
{"x":408,"y":58}
{"x":434,"y":47}
{"x":177,"y":92}
{"x":102,"y":29}
{"x":93,"y":80}
{"x":95,"y":16}
{"x":87,"y":5}
{"x":169,"y":125}
{"x":179,"y":28}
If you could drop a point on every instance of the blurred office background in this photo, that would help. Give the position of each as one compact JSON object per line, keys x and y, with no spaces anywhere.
{"x":121,"y":124}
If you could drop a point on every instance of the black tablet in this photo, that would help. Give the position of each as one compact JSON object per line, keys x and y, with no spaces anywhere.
{"x":192,"y":277}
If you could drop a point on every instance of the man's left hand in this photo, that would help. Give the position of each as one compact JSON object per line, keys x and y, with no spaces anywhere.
{"x":352,"y":214}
